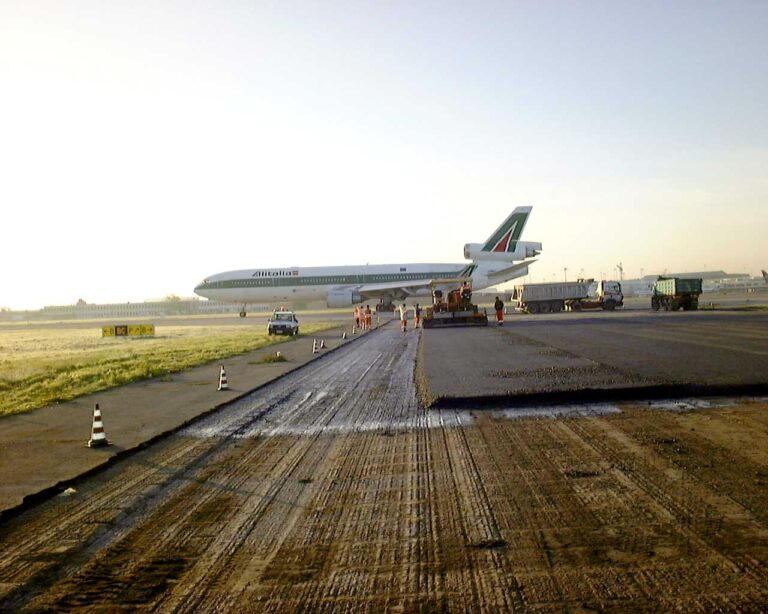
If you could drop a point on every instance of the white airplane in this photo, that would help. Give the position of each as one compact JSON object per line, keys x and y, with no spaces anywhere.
{"x":501,"y":258}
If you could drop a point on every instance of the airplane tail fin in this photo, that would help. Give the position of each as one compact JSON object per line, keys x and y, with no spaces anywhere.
{"x":505,"y":237}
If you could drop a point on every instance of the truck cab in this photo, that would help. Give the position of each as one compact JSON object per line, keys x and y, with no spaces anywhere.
{"x":283,"y":323}
{"x":609,"y":294}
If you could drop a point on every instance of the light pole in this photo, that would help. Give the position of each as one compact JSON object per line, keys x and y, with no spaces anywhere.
{"x":565,"y":273}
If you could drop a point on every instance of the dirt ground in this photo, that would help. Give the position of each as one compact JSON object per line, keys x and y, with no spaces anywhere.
{"x":333,"y":491}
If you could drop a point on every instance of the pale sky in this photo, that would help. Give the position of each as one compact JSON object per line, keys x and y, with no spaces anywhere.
{"x":146,"y":145}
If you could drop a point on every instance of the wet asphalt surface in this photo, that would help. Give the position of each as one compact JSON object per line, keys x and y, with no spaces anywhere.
{"x":600,"y":351}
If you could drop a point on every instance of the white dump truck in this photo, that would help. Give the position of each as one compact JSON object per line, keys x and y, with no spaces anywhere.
{"x":567,"y":295}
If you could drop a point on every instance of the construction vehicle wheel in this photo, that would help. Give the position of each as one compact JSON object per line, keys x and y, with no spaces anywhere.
{"x":533,"y":308}
{"x":545,"y":308}
{"x":557,"y":307}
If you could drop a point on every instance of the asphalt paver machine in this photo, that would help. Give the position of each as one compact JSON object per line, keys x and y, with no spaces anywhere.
{"x":452,"y":305}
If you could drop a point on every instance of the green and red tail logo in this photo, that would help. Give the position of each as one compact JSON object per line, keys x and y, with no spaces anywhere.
{"x":507,"y":235}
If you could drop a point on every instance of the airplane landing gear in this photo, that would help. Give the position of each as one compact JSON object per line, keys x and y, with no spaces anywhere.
{"x":385,"y":305}
{"x":242,"y":312}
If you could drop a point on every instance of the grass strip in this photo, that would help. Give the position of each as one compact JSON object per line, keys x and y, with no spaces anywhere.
{"x":40,"y":367}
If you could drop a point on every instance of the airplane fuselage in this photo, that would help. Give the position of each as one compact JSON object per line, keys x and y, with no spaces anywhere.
{"x":316,"y":283}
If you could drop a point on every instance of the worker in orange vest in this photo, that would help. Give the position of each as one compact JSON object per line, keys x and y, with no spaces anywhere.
{"x":498,"y":305}
{"x":368,"y":318}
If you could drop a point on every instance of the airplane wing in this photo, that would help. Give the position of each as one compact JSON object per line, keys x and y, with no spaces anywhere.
{"x":402,"y":289}
{"x":511,"y":272}
{"x":397,"y":288}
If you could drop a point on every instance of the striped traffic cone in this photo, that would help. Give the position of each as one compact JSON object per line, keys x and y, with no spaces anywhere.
{"x":344,"y":335}
{"x":223,"y":380}
{"x":354,"y":330}
{"x":314,"y":346}
{"x":98,"y":437}
{"x":322,"y":344}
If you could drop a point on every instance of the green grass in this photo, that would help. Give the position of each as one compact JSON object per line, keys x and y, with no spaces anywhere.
{"x":41,"y":366}
{"x":268,"y":359}
{"x":749,"y":308}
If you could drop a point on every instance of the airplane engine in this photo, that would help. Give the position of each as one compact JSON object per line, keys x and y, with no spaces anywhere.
{"x":523,"y":250}
{"x":343,"y":298}
{"x":532,"y":248}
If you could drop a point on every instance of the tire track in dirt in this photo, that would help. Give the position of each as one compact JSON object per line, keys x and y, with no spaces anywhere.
{"x":214,"y":569}
{"x":691,"y":517}
{"x":353,"y":513}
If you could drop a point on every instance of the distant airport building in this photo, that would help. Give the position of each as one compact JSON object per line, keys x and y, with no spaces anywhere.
{"x":736,"y":284}
{"x":637,"y":287}
{"x":147,"y":309}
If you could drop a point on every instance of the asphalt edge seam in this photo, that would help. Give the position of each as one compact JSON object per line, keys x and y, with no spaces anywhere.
{"x":424,"y":395}
{"x":598,"y":395}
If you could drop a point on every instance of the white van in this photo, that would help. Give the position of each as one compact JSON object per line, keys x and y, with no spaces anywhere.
{"x":283,"y":323}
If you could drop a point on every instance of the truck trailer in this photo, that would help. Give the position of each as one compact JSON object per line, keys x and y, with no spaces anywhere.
{"x":568,"y":295}
{"x":673,"y":293}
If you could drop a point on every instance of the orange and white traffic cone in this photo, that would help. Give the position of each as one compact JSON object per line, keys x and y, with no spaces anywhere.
{"x":98,"y":437}
{"x":223,"y":380}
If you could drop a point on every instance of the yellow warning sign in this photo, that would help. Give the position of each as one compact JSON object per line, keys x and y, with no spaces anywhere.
{"x":128,"y":330}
